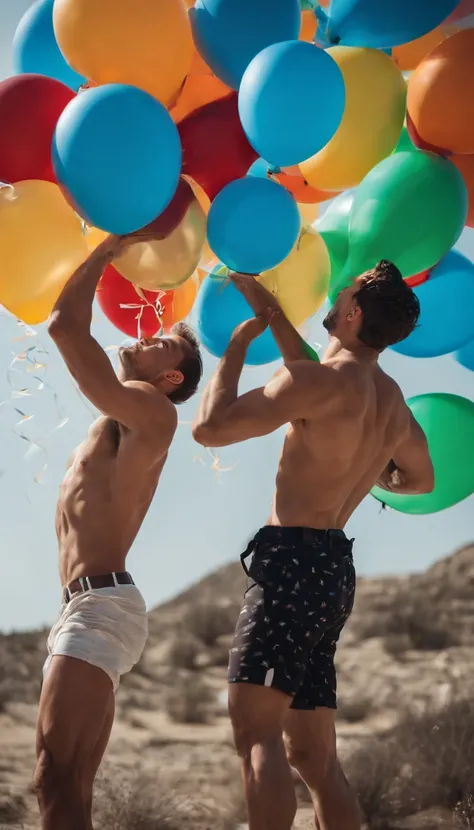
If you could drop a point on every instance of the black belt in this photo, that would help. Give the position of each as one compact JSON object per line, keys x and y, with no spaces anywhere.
{"x":92,"y":583}
{"x":273,"y":534}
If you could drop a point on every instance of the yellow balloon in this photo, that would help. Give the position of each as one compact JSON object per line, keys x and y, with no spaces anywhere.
{"x":167,"y":263}
{"x":42,"y":243}
{"x":301,"y":282}
{"x":309,"y":212}
{"x":371,"y":124}
{"x":207,"y":254}
{"x":147,"y":44}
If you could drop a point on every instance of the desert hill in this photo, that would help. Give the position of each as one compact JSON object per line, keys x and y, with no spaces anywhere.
{"x":406,"y":669}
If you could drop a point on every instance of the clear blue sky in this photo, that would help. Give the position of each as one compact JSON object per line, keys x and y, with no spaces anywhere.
{"x":199,"y":520}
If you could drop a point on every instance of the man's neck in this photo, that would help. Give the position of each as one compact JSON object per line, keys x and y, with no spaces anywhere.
{"x":349,"y":351}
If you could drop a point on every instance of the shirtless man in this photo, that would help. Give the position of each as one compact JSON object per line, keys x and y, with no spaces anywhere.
{"x":349,"y":427}
{"x":103,"y":501}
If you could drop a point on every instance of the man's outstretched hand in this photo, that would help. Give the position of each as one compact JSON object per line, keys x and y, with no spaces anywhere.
{"x":262,"y":302}
{"x":249,"y":330}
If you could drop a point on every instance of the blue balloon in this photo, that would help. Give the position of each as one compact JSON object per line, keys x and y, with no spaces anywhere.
{"x":229,"y":33}
{"x":447,"y":301}
{"x":117,"y":152}
{"x":35,"y":48}
{"x":280,"y":120}
{"x":220,"y":308}
{"x":253,"y":224}
{"x":465,"y":356}
{"x":378,"y":24}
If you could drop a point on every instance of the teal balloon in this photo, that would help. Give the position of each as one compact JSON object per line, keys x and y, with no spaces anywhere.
{"x":465,"y":356}
{"x":405,"y":144}
{"x":448,"y":423}
{"x":333,"y":226}
{"x":410,"y":209}
{"x":220,"y":308}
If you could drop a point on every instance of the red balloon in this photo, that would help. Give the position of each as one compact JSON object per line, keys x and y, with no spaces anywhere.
{"x":418,"y":279}
{"x":30,"y":106}
{"x":139,"y":318}
{"x":215,"y":147}
{"x":174,"y":214}
{"x":421,"y":144}
{"x":463,"y":9}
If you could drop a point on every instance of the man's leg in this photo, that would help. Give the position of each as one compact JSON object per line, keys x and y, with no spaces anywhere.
{"x":310,"y":741}
{"x":257,"y":714}
{"x":74,"y":721}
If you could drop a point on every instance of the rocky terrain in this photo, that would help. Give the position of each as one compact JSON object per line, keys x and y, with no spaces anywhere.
{"x":405,"y":723}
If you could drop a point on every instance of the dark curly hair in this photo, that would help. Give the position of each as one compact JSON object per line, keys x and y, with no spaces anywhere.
{"x":190,"y":366}
{"x":390,"y":309}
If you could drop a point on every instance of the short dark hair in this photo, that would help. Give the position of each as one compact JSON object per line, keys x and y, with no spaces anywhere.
{"x":390,"y":308}
{"x":190,"y":366}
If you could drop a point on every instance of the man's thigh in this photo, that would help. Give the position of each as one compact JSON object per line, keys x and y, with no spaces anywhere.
{"x":75,"y":713}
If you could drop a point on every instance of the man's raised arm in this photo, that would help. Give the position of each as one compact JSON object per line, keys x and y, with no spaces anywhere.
{"x":410,"y":472}
{"x":135,"y":405}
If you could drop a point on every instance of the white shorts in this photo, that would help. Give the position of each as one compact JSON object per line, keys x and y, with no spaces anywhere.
{"x":106,"y":627}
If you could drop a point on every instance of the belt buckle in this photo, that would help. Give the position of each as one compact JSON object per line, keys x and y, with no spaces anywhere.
{"x":66,"y":595}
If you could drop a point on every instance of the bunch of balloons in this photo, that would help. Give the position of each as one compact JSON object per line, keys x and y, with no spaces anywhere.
{"x":224,"y":125}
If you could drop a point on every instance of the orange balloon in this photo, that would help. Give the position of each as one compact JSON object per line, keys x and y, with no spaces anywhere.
{"x":292,"y":179}
{"x":200,"y":87}
{"x":409,"y":55}
{"x":182,"y":302}
{"x":440,"y":95}
{"x":465,"y":165}
{"x":309,"y":24}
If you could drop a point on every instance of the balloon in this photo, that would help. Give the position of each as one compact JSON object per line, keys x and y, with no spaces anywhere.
{"x":409,"y":55}
{"x":139,"y":313}
{"x":167,"y":263}
{"x":117,"y":153}
{"x":405,"y":144}
{"x":229,"y":33}
{"x":301,"y":281}
{"x":309,"y":213}
{"x":200,"y":87}
{"x":215,"y":148}
{"x":30,"y":106}
{"x":253,"y":224}
{"x":410,"y":209}
{"x":309,"y":24}
{"x":446,"y":321}
{"x":465,"y":356}
{"x":42,"y":244}
{"x":382,"y":25}
{"x":418,"y":279}
{"x":334,"y":229}
{"x":35,"y":48}
{"x":440,"y":100}
{"x":463,"y":9}
{"x":292,"y":180}
{"x":112,"y":41}
{"x":448,"y":423}
{"x":273,"y":102}
{"x":205,"y":203}
{"x":465,"y":165}
{"x":372,"y":121}
{"x":220,"y":308}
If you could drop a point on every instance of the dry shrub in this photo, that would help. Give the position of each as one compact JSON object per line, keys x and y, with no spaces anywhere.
{"x":184,"y":651}
{"x":425,"y":762}
{"x":190,"y":700}
{"x":141,"y":804}
{"x":354,"y":709}
{"x":464,"y":813}
{"x":413,"y":619}
{"x":12,"y":809}
{"x":207,"y":621}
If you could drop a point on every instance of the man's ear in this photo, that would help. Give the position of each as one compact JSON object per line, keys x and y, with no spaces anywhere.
{"x":174,"y":376}
{"x":354,"y":313}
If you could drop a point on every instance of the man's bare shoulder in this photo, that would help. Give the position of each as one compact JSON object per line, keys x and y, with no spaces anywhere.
{"x":161,"y":412}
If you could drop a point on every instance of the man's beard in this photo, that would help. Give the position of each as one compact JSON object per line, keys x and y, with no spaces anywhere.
{"x":330,"y":320}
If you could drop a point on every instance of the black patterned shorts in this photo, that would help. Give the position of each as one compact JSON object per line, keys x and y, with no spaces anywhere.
{"x":300,"y":597}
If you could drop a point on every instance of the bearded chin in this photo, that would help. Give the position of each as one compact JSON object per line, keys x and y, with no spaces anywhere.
{"x":330,"y":320}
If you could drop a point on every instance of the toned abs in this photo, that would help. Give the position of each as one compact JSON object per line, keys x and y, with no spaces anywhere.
{"x":103,"y":500}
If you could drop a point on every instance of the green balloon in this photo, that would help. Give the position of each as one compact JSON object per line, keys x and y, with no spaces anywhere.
{"x":410,"y":209}
{"x":333,"y":226}
{"x":448,"y":423}
{"x":306,"y":5}
{"x":405,"y":145}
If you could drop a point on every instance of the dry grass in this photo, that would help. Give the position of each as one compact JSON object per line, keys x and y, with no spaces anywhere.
{"x":12,"y":810}
{"x":425,"y":762}
{"x":184,"y":651}
{"x":190,"y":700}
{"x":354,"y":709}
{"x":144,"y":804}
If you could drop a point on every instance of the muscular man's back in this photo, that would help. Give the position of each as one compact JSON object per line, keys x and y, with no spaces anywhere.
{"x":331,"y":459}
{"x":103,"y":500}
